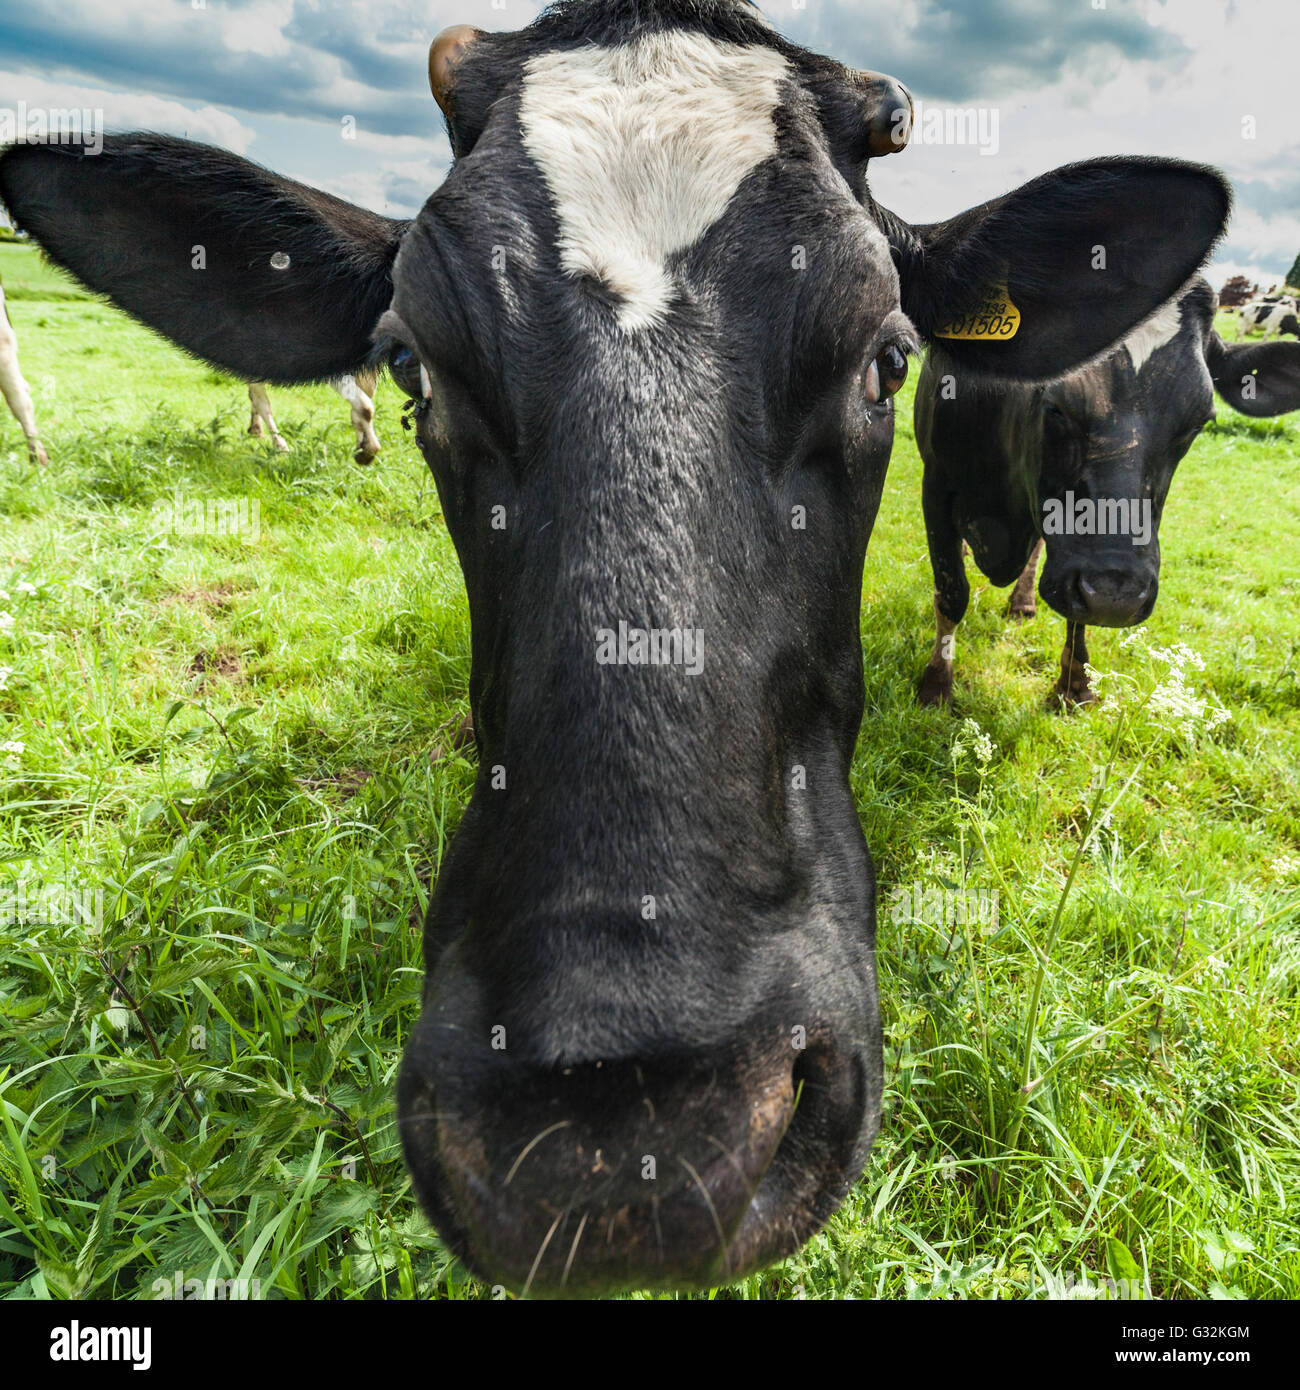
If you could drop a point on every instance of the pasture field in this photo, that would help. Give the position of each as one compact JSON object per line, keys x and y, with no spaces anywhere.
{"x":219,"y":818}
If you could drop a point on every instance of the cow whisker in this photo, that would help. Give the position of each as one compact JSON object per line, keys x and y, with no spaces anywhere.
{"x":708,"y":1202}
{"x":532,"y":1144}
{"x":573,"y":1249}
{"x":537,"y":1259}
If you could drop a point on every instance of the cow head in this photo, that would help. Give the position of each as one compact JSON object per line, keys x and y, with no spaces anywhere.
{"x":1113,"y":433}
{"x":653,"y":321}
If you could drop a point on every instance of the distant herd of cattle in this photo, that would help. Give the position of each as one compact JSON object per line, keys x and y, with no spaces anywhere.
{"x":650,"y":1049}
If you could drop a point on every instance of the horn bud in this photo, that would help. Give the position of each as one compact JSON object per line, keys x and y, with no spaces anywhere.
{"x":887,"y":106}
{"x":445,"y":54}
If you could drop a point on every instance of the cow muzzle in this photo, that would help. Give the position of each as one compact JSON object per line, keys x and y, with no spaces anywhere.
{"x":591,"y":1179}
{"x":1099,"y":596}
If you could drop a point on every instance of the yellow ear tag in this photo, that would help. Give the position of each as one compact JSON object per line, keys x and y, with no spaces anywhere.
{"x":994,"y":319}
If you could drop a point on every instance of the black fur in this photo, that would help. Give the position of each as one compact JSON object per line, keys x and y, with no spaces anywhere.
{"x":131,"y":221}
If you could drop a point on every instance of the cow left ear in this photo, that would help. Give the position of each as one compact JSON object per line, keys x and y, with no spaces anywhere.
{"x":1255,"y":378}
{"x":1036,"y":283}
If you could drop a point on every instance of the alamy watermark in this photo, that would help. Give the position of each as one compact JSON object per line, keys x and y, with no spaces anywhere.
{"x":1101,"y":516}
{"x":179,"y":515}
{"x":53,"y":125}
{"x":654,"y":646}
{"x":206,"y":1290}
{"x":947,"y":125}
{"x":51,"y":904}
{"x":944,"y":907}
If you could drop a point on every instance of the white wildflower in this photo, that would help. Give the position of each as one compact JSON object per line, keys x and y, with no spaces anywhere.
{"x":13,"y":748}
{"x":972,"y":739}
{"x":5,"y":673}
{"x":6,"y":619}
{"x":1286,"y":866}
{"x":1179,"y":655}
{"x":24,"y":587}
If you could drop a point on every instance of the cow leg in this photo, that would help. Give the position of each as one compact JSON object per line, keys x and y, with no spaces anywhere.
{"x":359,"y":391}
{"x":951,"y":593}
{"x":936,"y":683}
{"x":1072,"y":688}
{"x":1024,"y":599}
{"x":261,"y":404}
{"x":15,"y":390}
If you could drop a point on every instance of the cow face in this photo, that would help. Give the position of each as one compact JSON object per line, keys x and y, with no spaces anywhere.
{"x":660,"y":486}
{"x":652,"y":323}
{"x":1112,"y":435}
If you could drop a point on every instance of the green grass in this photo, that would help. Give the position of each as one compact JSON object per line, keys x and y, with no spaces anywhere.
{"x":228,"y":737}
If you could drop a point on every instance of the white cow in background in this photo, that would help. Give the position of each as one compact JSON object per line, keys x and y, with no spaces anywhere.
{"x":358,"y":390}
{"x":14,"y":388}
{"x":1274,"y":313}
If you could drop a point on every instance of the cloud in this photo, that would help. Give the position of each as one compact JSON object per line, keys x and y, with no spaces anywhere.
{"x":956,"y":50}
{"x":268,"y":57}
{"x":128,"y":110}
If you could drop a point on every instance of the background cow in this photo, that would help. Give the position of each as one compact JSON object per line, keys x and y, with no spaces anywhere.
{"x":14,"y":388}
{"x":1274,"y":313}
{"x":1084,"y":462}
{"x":358,"y":389}
{"x":655,"y":321}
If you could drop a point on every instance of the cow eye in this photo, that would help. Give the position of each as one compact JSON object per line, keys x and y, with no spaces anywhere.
{"x":404,"y":367}
{"x":886,"y":375}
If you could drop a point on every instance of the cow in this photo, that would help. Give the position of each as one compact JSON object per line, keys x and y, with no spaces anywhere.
{"x":1081,"y":466}
{"x":652,"y":323}
{"x":1275,"y":314}
{"x":14,"y":387}
{"x":358,"y":389}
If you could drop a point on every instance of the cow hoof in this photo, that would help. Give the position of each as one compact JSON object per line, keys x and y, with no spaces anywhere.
{"x":39,"y":456}
{"x":1020,"y":614}
{"x":458,"y":739}
{"x":281,"y":447}
{"x":1071,"y":696}
{"x":936,"y":688}
{"x":365,"y":457}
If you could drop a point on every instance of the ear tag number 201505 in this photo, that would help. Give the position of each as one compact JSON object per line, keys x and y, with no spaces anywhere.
{"x":994,"y":319}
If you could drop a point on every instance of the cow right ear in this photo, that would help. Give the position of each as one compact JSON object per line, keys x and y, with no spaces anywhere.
{"x":457,"y":82}
{"x":257,"y":274}
{"x":1036,"y":283}
{"x":1258,"y":379}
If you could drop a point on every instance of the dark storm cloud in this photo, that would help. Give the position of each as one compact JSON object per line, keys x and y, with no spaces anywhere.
{"x":960,"y":50}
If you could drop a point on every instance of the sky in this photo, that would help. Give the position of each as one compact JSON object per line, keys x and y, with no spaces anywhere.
{"x":335,"y":93}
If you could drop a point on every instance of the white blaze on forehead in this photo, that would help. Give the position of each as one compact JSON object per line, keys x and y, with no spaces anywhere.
{"x":1159,"y":329}
{"x":642,"y":147}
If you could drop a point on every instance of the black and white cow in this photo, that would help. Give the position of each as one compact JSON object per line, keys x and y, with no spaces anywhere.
{"x":14,"y":387}
{"x":357,"y":388}
{"x":1274,"y":313}
{"x":1083,"y":464}
{"x":653,"y":321}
